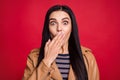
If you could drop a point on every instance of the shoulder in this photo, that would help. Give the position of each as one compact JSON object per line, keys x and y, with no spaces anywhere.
{"x":91,"y":64}
{"x":88,"y":56}
{"x":87,"y":52}
{"x":85,"y":49}
{"x":33,"y":56}
{"x":34,"y":52}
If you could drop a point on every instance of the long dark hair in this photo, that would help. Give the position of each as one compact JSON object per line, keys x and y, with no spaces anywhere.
{"x":76,"y":57}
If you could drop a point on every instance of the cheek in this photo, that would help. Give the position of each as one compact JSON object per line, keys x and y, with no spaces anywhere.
{"x":68,"y":29}
{"x":52,"y":32}
{"x":68,"y":32}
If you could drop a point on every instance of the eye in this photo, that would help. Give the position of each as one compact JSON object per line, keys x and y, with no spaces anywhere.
{"x":52,"y":23}
{"x":65,"y":22}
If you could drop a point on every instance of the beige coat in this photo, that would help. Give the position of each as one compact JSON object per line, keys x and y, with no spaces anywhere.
{"x":53,"y":73}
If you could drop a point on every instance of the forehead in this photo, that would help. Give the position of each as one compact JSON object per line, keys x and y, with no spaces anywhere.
{"x":59,"y":15}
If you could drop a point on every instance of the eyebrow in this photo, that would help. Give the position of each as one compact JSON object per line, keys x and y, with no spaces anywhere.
{"x":55,"y":19}
{"x":65,"y":18}
{"x":52,"y":19}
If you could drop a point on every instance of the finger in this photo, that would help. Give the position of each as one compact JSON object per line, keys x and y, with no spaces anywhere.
{"x":61,"y":40}
{"x":67,"y":36}
{"x":55,"y":39}
{"x":47,"y":44}
{"x":58,"y":39}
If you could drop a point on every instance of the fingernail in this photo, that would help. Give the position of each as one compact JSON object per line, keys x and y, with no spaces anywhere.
{"x":49,"y":40}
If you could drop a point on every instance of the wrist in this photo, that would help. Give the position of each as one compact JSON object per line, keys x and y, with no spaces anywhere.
{"x":47,"y":63}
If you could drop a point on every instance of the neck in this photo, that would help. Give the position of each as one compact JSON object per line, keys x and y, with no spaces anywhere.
{"x":64,"y":49}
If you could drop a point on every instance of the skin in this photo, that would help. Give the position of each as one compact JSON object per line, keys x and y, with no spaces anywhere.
{"x":60,"y":29}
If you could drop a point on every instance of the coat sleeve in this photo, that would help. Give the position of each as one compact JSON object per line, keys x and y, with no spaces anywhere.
{"x":31,"y":71}
{"x":91,"y":65}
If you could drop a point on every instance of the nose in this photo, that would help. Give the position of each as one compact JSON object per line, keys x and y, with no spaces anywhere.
{"x":59,"y":28}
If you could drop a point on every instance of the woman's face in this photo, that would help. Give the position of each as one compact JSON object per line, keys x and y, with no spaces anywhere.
{"x":59,"y":21}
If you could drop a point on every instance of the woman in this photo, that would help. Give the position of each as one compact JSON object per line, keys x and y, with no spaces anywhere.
{"x":61,"y":57}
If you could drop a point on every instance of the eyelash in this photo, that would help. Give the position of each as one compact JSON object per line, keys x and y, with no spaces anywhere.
{"x":65,"y":22}
{"x":53,"y":22}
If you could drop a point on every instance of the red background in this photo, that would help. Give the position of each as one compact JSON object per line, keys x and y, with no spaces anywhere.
{"x":21,"y":23}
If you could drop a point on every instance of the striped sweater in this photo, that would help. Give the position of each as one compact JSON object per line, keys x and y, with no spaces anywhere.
{"x":63,"y":63}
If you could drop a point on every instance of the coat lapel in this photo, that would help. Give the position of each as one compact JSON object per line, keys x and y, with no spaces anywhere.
{"x":55,"y":74}
{"x":71,"y":75}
